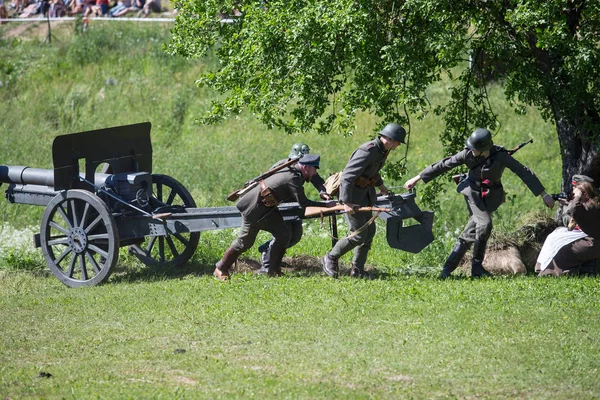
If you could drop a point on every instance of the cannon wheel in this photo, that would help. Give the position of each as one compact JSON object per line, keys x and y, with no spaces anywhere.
{"x":173,"y":249}
{"x":79,"y":238}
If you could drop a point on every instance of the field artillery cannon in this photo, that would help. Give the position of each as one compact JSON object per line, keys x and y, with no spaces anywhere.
{"x":116,"y":201}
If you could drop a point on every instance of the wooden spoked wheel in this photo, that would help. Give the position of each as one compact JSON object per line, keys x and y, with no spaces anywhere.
{"x":173,"y":249}
{"x":79,"y":238}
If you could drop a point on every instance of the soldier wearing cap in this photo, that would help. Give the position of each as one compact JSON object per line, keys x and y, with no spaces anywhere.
{"x":295,"y":225}
{"x":259,"y":212}
{"x":357,"y":189}
{"x":483,"y":192}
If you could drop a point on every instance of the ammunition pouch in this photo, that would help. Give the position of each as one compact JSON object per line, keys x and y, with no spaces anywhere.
{"x":267,"y":197}
{"x":363,"y":182}
{"x":459,"y":178}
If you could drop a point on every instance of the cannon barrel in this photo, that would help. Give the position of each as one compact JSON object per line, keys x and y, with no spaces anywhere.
{"x":36,"y":176}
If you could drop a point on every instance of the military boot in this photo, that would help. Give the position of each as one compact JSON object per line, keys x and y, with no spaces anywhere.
{"x":274,"y":257}
{"x":330,"y":265}
{"x":358,"y":271}
{"x":222,"y":266}
{"x":458,"y":252}
{"x":265,"y":258}
{"x":477,"y":269}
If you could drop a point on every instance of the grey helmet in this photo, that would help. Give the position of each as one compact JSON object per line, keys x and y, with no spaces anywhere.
{"x":299,"y":150}
{"x":480,"y":140}
{"x":394,"y":132}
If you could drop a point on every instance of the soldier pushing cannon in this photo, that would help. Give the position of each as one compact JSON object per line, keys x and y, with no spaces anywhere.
{"x":117,"y":201}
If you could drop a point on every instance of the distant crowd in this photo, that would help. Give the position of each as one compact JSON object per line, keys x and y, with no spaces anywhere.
{"x":85,"y":8}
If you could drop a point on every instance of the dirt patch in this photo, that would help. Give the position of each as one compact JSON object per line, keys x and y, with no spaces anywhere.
{"x":31,"y":30}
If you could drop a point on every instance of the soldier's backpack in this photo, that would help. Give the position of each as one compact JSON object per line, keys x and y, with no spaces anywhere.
{"x":332,"y":184}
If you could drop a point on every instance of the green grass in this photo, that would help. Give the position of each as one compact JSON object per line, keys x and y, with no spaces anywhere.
{"x":300,"y":337}
{"x":404,"y":335}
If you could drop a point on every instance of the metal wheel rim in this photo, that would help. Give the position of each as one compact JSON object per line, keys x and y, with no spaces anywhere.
{"x":79,"y":238}
{"x":173,"y":249}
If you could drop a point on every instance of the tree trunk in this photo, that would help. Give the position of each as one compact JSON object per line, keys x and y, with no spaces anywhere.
{"x":578,"y":151}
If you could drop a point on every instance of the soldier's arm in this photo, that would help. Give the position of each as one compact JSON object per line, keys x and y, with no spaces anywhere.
{"x":525,"y":174}
{"x":318,"y":183}
{"x":444,"y":165}
{"x":297,"y":189}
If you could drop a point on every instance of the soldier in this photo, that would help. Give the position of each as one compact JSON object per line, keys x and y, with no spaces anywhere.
{"x":357,"y":189}
{"x":295,"y":225}
{"x":483,"y":192}
{"x":259,"y":212}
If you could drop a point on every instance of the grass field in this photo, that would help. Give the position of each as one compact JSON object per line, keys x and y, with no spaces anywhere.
{"x":303,"y":336}
{"x":177,"y":333}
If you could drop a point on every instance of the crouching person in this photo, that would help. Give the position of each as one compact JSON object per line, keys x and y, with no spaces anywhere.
{"x":259,"y":212}
{"x":567,"y":250}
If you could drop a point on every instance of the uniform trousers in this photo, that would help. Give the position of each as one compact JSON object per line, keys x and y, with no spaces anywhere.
{"x":272,"y":222}
{"x":361,"y":242}
{"x":479,"y":226}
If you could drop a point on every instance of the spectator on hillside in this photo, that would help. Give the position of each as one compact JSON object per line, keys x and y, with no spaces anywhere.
{"x":57,"y":9}
{"x":136,"y":5}
{"x":120,"y":6}
{"x":86,"y":7}
{"x":99,"y":9}
{"x":3,"y":12}
{"x":151,"y":5}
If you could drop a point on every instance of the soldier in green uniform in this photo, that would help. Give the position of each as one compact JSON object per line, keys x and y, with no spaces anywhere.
{"x":259,"y":212}
{"x":357,"y":189}
{"x":483,"y":191}
{"x":295,"y":225}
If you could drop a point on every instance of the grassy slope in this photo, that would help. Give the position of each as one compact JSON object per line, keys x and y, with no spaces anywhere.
{"x":306,"y":336}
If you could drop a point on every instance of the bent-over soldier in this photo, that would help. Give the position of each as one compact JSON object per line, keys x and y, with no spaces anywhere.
{"x":259,"y":212}
{"x":294,"y":225}
{"x":357,"y":189}
{"x":483,"y":192}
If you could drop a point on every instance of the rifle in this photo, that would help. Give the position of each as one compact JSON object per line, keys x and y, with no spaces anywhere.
{"x":312,"y":211}
{"x":233,"y":196}
{"x":459,"y":177}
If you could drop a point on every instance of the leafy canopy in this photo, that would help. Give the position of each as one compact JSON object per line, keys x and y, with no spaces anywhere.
{"x":301,"y":65}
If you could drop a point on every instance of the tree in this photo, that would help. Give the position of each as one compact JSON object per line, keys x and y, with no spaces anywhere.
{"x":300,"y":65}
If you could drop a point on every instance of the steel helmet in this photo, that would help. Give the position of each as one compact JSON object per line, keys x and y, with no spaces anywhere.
{"x":394,"y":132}
{"x":480,"y":140}
{"x":298,"y":150}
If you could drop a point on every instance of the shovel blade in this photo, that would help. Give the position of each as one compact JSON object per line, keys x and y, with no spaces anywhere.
{"x":412,"y":238}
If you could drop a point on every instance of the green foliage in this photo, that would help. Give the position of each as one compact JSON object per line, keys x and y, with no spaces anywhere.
{"x":299,"y":65}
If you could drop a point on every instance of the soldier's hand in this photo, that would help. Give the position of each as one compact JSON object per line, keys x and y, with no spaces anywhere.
{"x":324,"y":196}
{"x":349,"y":207}
{"x":548,"y":200}
{"x":384,"y":190}
{"x":412,"y":182}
